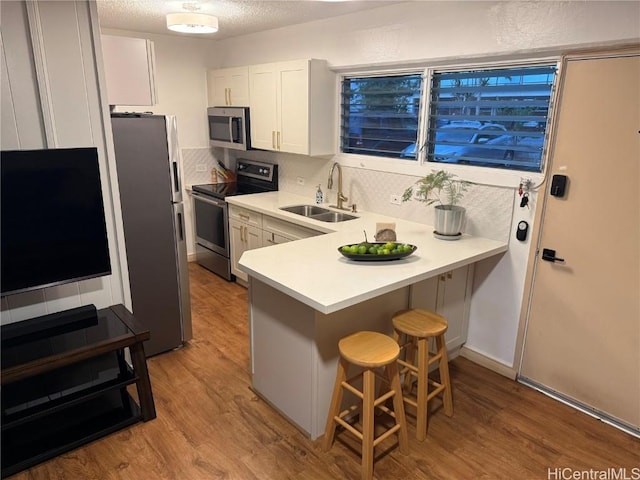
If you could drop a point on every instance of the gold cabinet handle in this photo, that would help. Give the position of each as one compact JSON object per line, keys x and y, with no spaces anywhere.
{"x":227,"y":96}
{"x":273,"y":139}
{"x":278,"y":144}
{"x":244,"y":216}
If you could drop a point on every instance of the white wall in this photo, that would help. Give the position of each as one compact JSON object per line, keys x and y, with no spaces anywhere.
{"x":181,"y":83}
{"x":181,"y":65}
{"x":434,"y":30}
{"x":434,"y":33}
{"x":51,"y":98}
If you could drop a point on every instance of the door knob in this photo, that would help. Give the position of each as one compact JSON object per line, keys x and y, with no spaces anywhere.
{"x":550,"y":255}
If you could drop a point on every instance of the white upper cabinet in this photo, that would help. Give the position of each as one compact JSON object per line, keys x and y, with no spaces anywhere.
{"x":292,"y":107}
{"x":129,"y":67}
{"x":228,"y":87}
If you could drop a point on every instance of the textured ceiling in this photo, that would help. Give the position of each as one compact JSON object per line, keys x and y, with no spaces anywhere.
{"x":235,"y":17}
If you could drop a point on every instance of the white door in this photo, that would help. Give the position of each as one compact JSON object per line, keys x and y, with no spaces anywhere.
{"x":582,"y":339}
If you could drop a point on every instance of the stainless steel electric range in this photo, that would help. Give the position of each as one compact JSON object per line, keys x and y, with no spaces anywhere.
{"x":211,"y":212}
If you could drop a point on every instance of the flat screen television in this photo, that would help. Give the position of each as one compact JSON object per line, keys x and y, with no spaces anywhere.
{"x":53,"y":228}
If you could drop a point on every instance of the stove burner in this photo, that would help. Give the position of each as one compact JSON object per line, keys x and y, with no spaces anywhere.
{"x":253,"y":177}
{"x":218,"y":190}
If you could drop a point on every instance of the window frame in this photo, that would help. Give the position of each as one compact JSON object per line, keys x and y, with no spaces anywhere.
{"x":373,"y":74}
{"x":420,"y":167}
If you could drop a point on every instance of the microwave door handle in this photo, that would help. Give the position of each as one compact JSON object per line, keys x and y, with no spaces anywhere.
{"x":231,"y":130}
{"x":236,"y":130}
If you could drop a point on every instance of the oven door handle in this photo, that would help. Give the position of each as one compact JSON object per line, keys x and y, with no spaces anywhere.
{"x":202,"y":198}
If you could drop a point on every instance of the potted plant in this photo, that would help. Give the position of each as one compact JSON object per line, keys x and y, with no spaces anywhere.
{"x":442,"y":188}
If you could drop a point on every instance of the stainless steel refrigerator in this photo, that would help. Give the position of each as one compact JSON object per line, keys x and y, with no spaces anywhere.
{"x":147,"y":159}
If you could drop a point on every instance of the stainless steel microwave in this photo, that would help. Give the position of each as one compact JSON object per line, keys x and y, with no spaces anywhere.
{"x":229,"y":127}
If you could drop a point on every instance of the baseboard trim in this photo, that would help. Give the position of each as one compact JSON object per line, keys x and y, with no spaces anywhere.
{"x":191,"y":257}
{"x":488,"y":362}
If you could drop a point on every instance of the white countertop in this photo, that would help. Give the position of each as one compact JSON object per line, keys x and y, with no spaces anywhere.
{"x":315,"y":273}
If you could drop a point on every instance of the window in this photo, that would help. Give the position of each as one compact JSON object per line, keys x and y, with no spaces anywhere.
{"x":380,"y":114}
{"x":492,"y":117}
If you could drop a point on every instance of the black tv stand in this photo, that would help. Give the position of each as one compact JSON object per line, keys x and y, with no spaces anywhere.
{"x":48,"y":326}
{"x":64,"y":382}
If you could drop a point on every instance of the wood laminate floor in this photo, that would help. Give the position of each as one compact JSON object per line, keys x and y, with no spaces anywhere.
{"x":210,"y":425}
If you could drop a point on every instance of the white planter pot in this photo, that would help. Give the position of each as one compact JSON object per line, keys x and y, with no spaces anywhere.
{"x":449,"y":221}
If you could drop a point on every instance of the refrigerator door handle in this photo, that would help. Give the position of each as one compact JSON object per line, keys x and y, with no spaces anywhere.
{"x":183,"y":271}
{"x":180,"y":227}
{"x":174,"y":157}
{"x":176,"y":177}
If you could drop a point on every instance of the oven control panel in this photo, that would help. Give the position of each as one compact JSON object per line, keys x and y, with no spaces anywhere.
{"x":259,"y":170}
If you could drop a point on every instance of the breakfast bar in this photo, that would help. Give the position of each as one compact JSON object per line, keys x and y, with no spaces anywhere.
{"x":304,"y":296}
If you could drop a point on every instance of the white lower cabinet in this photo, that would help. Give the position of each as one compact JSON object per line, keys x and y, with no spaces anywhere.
{"x":280,"y":231}
{"x":249,"y":230}
{"x":243,"y":237}
{"x":448,"y":294}
{"x":270,"y":238}
{"x":245,"y":233}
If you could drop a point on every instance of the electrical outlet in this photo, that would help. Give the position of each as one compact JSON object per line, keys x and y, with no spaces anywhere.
{"x":300,"y":180}
{"x":395,"y":199}
{"x":201,"y":167}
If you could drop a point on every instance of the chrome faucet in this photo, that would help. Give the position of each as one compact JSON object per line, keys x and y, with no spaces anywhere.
{"x":340,"y":198}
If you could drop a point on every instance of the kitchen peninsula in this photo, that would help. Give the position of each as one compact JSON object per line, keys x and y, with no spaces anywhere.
{"x":304,"y":296}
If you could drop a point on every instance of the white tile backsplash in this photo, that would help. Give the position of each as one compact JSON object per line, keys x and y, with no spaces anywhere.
{"x":489,"y":208}
{"x":192,"y":158}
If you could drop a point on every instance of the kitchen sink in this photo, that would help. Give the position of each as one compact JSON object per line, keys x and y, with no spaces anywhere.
{"x":318,"y":213}
{"x":305,"y":210}
{"x":333,"y":217}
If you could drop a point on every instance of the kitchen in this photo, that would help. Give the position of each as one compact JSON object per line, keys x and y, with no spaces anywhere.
{"x":182,"y":63}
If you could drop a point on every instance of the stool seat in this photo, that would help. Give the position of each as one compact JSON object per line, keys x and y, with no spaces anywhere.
{"x":420,"y":323}
{"x":369,"y":349}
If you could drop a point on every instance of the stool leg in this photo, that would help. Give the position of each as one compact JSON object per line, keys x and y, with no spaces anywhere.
{"x":410,"y":358}
{"x":398,"y":406}
{"x":336,"y":401}
{"x":423,"y":389}
{"x":444,"y":376}
{"x":368,"y":392}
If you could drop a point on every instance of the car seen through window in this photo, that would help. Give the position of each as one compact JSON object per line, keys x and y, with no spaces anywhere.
{"x":488,"y":144}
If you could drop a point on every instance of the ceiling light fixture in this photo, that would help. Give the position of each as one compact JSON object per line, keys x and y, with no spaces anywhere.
{"x":192,"y":22}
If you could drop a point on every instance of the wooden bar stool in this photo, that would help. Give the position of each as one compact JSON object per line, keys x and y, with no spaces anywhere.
{"x":369,"y":350}
{"x":418,"y":326}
